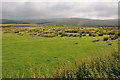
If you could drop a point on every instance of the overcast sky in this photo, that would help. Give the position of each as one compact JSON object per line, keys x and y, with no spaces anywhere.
{"x":45,"y":10}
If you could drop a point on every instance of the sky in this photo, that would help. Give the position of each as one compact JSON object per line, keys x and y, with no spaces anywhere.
{"x":46,"y":10}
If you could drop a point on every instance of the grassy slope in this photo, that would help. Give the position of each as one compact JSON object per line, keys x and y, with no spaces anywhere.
{"x":34,"y":52}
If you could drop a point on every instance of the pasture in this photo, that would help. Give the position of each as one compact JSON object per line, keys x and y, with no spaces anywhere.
{"x":43,"y":49}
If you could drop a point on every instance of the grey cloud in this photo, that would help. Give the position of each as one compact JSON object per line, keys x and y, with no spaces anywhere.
{"x":40,"y":10}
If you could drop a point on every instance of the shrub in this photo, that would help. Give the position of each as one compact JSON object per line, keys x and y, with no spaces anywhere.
{"x":33,"y":34}
{"x":94,"y":35}
{"x":16,"y":32}
{"x":60,"y":33}
{"x":101,"y":34}
{"x":90,"y":34}
{"x":83,"y":34}
{"x":114,"y":37}
{"x":80,"y":36}
{"x":69,"y":35}
{"x":76,"y":42}
{"x":63,"y":34}
{"x":72,"y":35}
{"x":105,"y":38}
{"x":118,"y":33}
{"x":111,"y":33}
{"x":109,"y":43}
{"x":71,"y":31}
{"x":20,"y":34}
{"x":39,"y":34}
{"x":48,"y":35}
{"x":96,"y":40}
{"x":75,"y":35}
{"x":80,"y":33}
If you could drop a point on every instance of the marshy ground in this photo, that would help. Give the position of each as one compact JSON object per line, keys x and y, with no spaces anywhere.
{"x":30,"y":51}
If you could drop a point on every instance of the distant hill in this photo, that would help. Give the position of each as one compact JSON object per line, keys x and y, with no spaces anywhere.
{"x":65,"y":21}
{"x":6,"y":21}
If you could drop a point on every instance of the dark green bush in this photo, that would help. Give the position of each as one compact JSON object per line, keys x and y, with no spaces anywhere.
{"x":105,"y":38}
{"x":94,"y":35}
{"x":90,"y":34}
{"x":71,"y":31}
{"x":109,"y":43}
{"x":16,"y":32}
{"x":80,"y":36}
{"x":101,"y":34}
{"x":118,"y":33}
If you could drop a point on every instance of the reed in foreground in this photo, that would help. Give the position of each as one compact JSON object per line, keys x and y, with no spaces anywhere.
{"x":100,"y":67}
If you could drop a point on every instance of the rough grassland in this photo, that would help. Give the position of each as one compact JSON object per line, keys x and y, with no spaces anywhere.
{"x":23,"y":54}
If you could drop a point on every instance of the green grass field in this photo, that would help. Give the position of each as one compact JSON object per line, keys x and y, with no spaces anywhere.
{"x":23,"y":54}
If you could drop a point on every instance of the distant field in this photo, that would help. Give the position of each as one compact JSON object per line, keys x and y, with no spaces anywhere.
{"x":26,"y":53}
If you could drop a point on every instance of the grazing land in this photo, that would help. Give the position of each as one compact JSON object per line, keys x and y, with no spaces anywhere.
{"x":41,"y":51}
